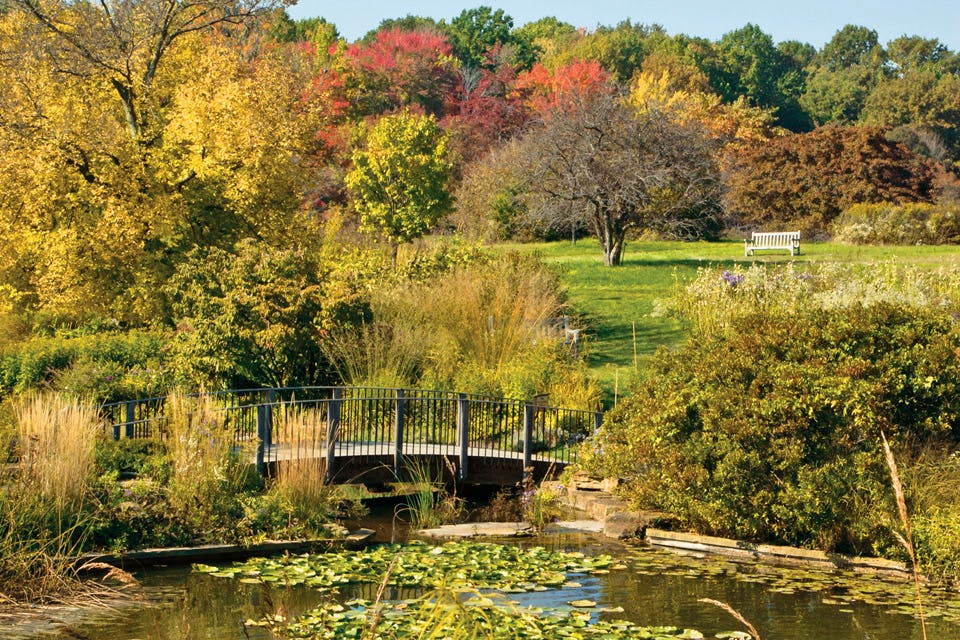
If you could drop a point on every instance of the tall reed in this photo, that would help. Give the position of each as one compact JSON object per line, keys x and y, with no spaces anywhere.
{"x":56,"y":436}
{"x":429,"y":505}
{"x":44,"y":511}
{"x":204,"y":462}
{"x":906,"y":539}
{"x":299,"y":476}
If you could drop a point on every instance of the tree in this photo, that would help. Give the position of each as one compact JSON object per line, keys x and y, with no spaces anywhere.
{"x":914,"y":52}
{"x":806,"y":180}
{"x":619,"y":50}
{"x":601,"y":163}
{"x":400,"y":69}
{"x":852,"y":45}
{"x":127,"y":42}
{"x":544,"y":90}
{"x":838,"y":96}
{"x":399,"y":183}
{"x":546,"y":35}
{"x":752,"y":66}
{"x":408,"y":22}
{"x":316,"y":30}
{"x":734,"y":123}
{"x":488,"y":111}
{"x":95,"y":217}
{"x":476,"y":31}
{"x":922,"y":100}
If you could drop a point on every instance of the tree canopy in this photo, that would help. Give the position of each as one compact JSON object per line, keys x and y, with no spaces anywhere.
{"x":601,"y":162}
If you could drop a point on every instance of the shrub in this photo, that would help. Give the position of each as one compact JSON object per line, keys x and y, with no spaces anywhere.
{"x":769,"y":428}
{"x":906,"y":224}
{"x":102,"y":366}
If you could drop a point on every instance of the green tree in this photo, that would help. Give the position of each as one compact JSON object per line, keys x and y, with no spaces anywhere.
{"x":546,"y":35}
{"x":399,"y":183}
{"x":838,"y":96}
{"x":852,"y":45}
{"x":913,"y":52}
{"x":752,"y":66}
{"x":475,"y":32}
{"x":800,"y":54}
{"x":316,"y":30}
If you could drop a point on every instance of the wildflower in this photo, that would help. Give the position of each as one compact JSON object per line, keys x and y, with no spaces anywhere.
{"x":732,"y":279}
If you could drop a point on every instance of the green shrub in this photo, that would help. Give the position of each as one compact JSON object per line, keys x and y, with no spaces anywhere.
{"x":904,"y":224}
{"x":105,"y":366}
{"x":768,"y":429}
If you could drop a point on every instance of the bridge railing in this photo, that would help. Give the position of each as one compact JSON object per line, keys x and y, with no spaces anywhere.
{"x":373,"y":424}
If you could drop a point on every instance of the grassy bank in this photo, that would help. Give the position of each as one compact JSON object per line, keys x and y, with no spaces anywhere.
{"x":617,"y":304}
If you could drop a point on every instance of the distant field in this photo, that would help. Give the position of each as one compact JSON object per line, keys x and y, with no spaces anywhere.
{"x":612,"y":301}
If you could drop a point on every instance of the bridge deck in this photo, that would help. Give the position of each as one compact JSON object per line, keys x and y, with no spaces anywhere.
{"x":285,"y":452}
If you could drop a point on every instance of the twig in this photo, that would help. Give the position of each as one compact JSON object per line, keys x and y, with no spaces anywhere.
{"x":733,"y":612}
{"x":905,"y":540}
{"x":377,"y":602}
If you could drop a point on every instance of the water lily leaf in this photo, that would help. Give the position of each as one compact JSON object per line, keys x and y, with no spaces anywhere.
{"x":583,"y":604}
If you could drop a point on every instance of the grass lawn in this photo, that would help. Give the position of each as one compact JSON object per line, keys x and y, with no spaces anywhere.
{"x":615,"y":303}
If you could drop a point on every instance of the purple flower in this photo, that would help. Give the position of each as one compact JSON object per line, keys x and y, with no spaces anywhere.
{"x":732,"y":279}
{"x":108,"y":378}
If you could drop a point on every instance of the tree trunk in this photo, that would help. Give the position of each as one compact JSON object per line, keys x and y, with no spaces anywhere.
{"x":612,"y":251}
{"x":611,"y":241}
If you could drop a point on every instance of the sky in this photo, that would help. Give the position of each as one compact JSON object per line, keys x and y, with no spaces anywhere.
{"x":812,"y":21}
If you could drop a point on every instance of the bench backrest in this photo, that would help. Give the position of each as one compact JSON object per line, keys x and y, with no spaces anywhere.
{"x":775,"y":239}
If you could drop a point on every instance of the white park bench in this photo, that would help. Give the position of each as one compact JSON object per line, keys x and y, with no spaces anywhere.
{"x":789,"y":240}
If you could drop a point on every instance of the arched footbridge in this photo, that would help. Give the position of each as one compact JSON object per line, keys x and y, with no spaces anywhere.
{"x":372,"y":434}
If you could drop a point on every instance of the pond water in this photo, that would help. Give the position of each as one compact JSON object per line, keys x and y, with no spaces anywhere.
{"x":657,"y":588}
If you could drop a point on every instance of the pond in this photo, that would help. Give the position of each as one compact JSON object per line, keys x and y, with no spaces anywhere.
{"x":656,"y":588}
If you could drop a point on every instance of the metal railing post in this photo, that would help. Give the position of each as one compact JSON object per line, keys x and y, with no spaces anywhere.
{"x":333,"y":428}
{"x":463,"y":433}
{"x":262,"y":437}
{"x":398,"y":434}
{"x":597,"y":421}
{"x":130,"y":409}
{"x":268,"y":422}
{"x":527,"y":436}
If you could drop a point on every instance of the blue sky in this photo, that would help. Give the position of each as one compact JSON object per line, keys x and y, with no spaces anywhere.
{"x":813,"y":21}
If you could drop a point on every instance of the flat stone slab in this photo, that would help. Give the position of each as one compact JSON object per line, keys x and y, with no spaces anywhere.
{"x":574,"y":526}
{"x":477,"y":529}
{"x":691,"y":542}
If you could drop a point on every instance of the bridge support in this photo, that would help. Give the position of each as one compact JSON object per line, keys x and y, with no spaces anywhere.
{"x":264,"y":431}
{"x":398,"y":434}
{"x":333,"y":427}
{"x":528,"y":410}
{"x":463,"y":433}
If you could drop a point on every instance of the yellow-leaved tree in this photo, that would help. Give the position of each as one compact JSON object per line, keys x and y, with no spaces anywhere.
{"x":133,"y":132}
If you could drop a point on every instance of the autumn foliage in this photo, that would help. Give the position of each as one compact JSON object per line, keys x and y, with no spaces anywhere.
{"x":806,"y":180}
